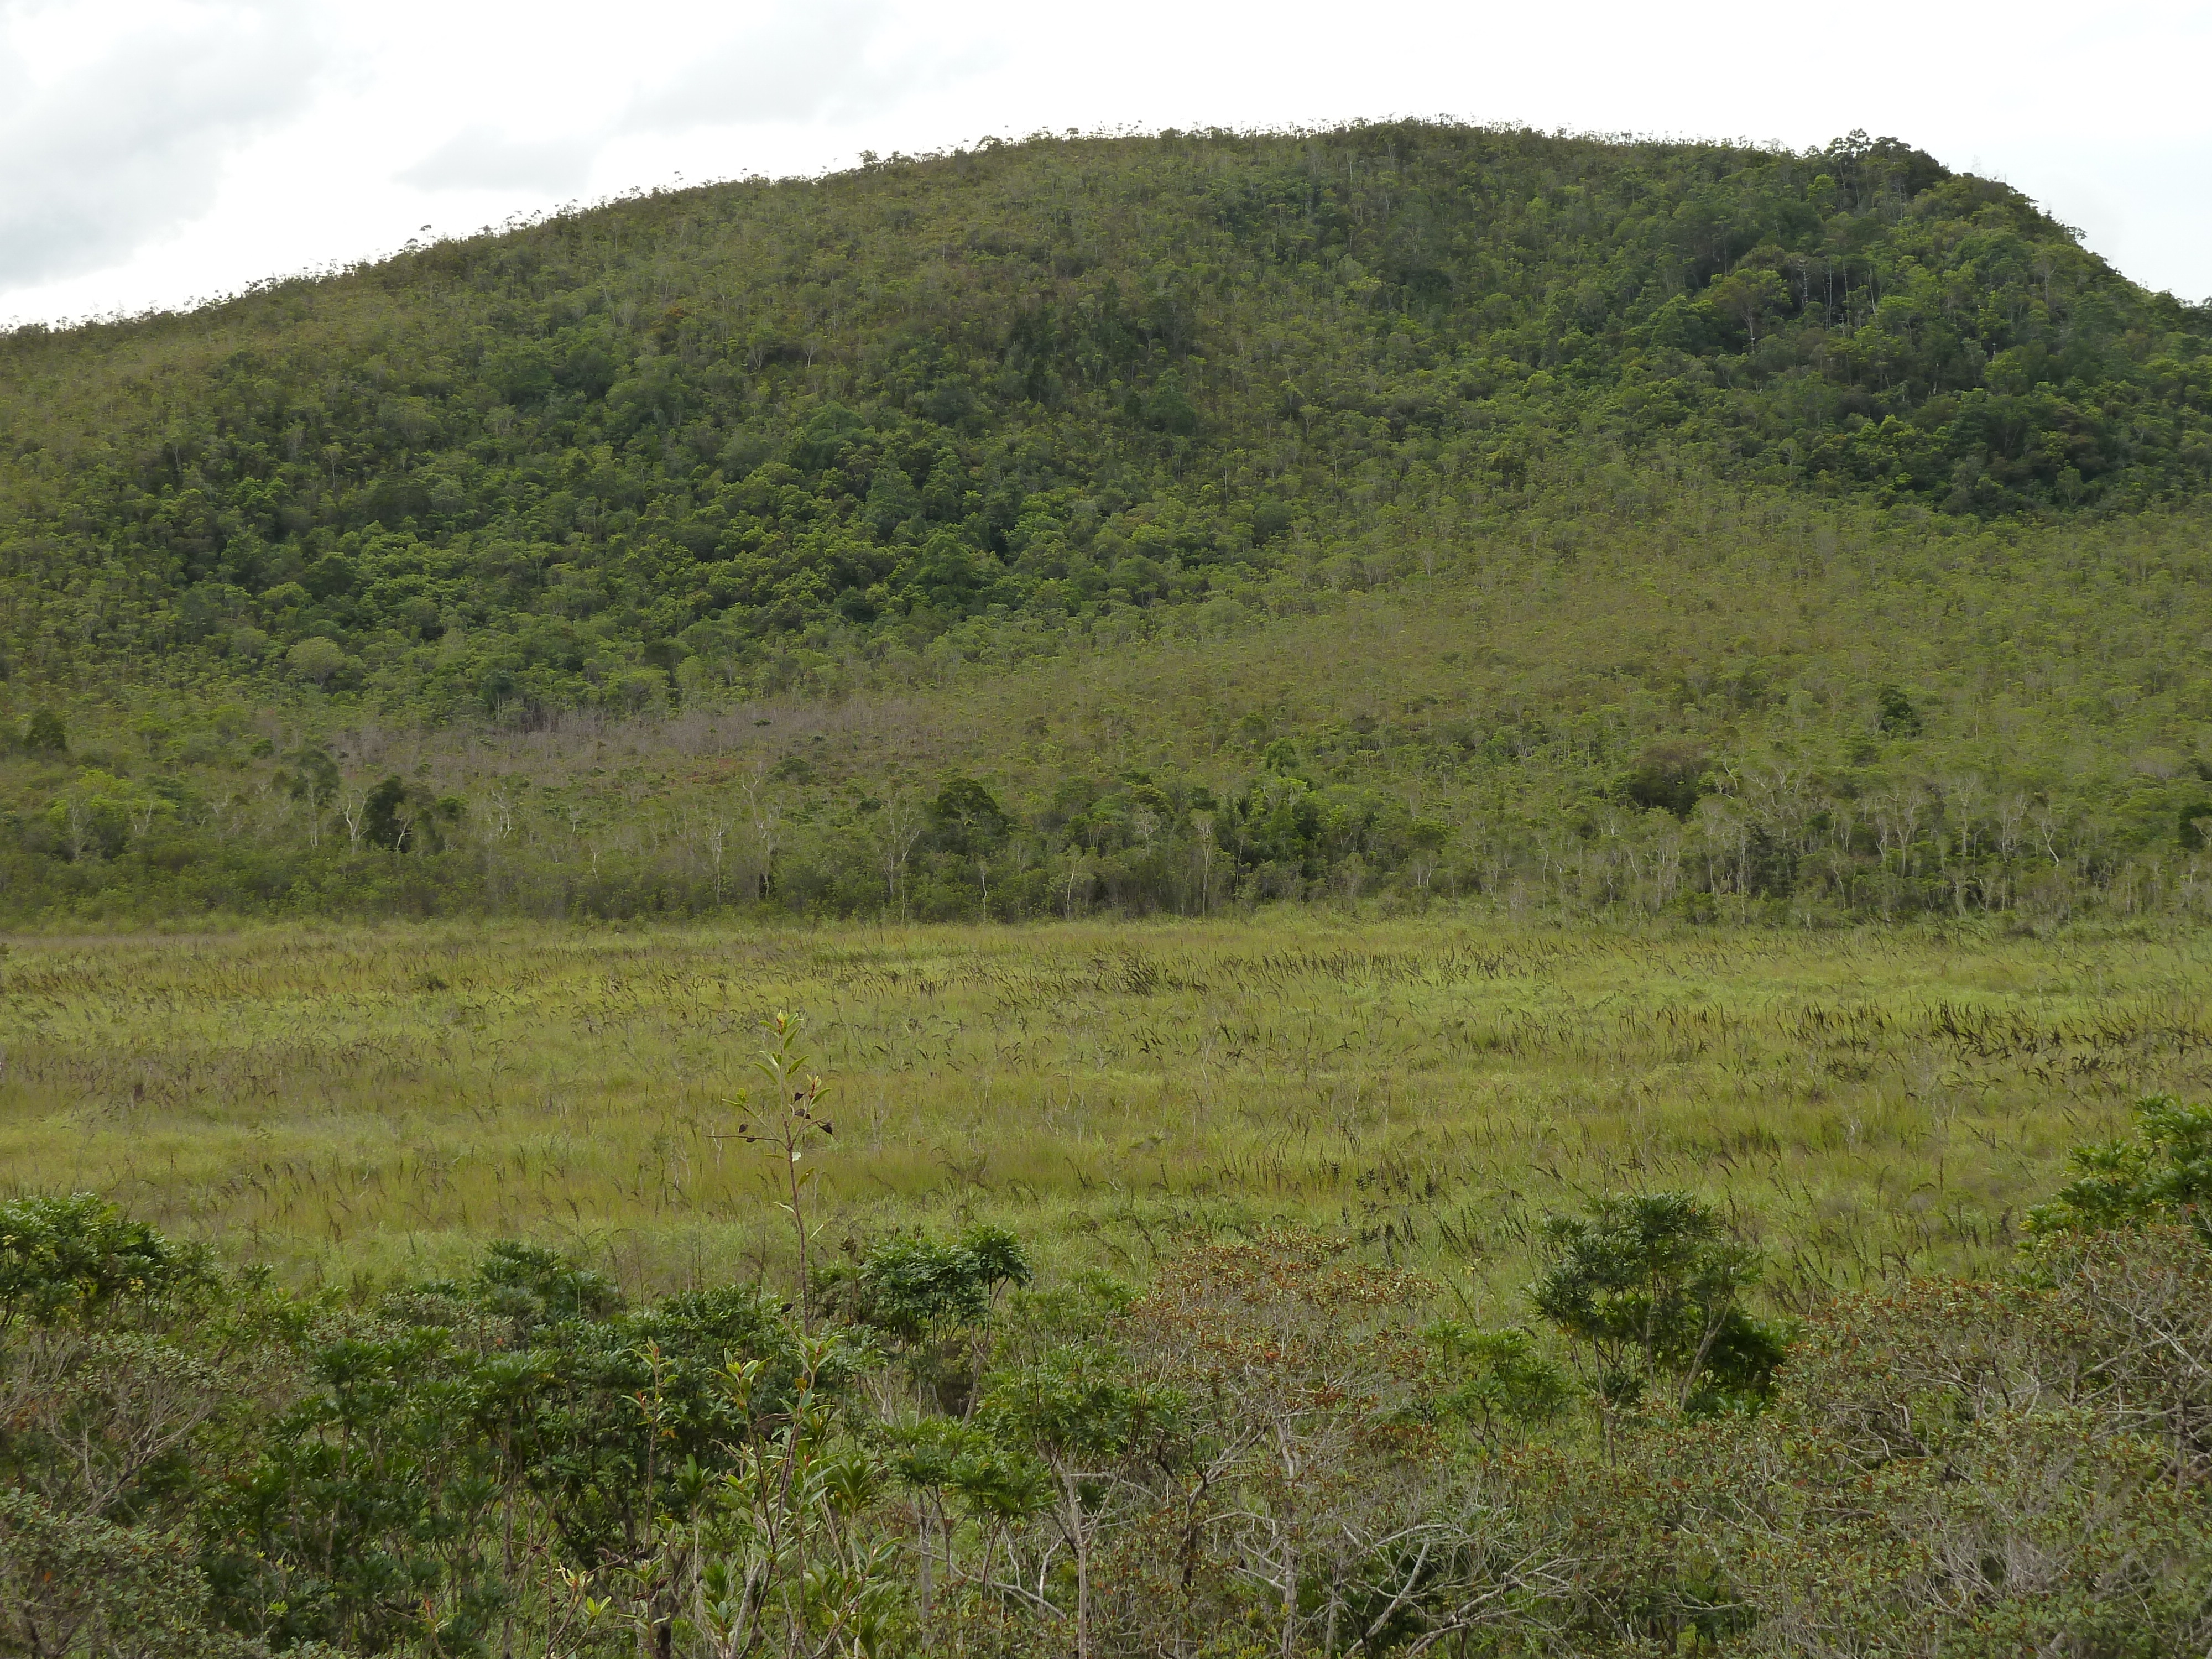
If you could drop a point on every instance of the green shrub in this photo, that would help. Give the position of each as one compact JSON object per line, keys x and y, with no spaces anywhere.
{"x":2164,"y":1174}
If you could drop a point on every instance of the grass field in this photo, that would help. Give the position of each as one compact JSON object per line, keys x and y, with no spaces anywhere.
{"x":371,"y":1103}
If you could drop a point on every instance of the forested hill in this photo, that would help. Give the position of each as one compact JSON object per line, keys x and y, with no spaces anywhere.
{"x":699,"y":438}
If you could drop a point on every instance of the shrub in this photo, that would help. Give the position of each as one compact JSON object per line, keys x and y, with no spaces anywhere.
{"x":2165,"y":1173}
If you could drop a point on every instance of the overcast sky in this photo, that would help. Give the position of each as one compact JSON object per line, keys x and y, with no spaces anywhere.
{"x":156,"y":151}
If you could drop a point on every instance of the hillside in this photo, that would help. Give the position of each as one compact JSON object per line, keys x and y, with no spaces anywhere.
{"x":1136,"y":524}
{"x":1685,"y":707}
{"x":726,"y":437}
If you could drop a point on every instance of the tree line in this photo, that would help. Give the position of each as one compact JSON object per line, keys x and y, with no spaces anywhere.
{"x":1524,"y":822}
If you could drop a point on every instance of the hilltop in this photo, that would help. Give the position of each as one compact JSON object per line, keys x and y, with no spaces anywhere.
{"x":722,"y":437}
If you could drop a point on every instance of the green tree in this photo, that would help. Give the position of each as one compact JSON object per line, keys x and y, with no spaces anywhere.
{"x":76,"y":1587}
{"x":1494,"y":1378}
{"x":1652,"y":1285}
{"x":388,"y":814}
{"x":1896,"y":714}
{"x":1075,"y":1409}
{"x":936,"y":1301}
{"x":1748,"y":296}
{"x":316,"y":658}
{"x":73,"y":1257}
{"x":43,"y":734}
{"x":314,"y":779}
{"x":968,"y":819}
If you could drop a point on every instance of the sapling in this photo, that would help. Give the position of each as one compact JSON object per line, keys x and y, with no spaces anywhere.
{"x":792,"y":1126}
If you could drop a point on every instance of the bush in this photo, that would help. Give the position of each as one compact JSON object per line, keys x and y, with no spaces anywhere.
{"x":74,"y":1585}
{"x":70,"y":1258}
{"x":2165,"y":1173}
{"x":1652,"y":1286}
{"x":1278,"y":1447}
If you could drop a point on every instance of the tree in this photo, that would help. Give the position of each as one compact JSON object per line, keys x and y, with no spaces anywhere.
{"x":1748,"y":295}
{"x":767,"y":815}
{"x":898,"y":826}
{"x":1075,"y":1409}
{"x":1895,"y":713}
{"x":315,"y":658}
{"x":44,"y":734}
{"x":1169,"y":409}
{"x":717,"y":837}
{"x":387,"y":814}
{"x":968,"y":820}
{"x":1301,"y":1369}
{"x":314,"y":781}
{"x":781,"y":1561}
{"x":353,"y":812}
{"x":1670,"y":776}
{"x":937,"y":1300}
{"x":1649,"y":1285}
{"x":892,"y":502}
{"x":99,"y":813}
{"x":66,"y":1258}
{"x":1493,"y":1378}
{"x":77,"y":1587}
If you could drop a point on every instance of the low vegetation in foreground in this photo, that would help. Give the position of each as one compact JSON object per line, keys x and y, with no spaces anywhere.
{"x":1273,"y":1446}
{"x":1110,"y":1290}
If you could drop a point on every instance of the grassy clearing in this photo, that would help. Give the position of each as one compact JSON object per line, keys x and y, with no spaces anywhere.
{"x":375,"y":1102}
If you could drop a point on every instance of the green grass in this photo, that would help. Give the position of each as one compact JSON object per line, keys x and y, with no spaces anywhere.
{"x":376,"y":1102}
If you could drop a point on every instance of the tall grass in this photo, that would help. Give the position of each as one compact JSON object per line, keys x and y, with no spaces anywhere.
{"x":365,"y":1103}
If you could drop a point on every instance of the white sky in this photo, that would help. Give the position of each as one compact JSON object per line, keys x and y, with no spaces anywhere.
{"x":156,"y":151}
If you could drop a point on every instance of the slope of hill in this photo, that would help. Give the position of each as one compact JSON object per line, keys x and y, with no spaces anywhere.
{"x":1137,"y":523}
{"x":728,"y":437}
{"x":1688,"y":705}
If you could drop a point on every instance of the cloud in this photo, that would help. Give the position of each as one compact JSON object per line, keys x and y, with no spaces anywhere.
{"x":479,"y":158}
{"x":799,"y":64}
{"x":108,"y":139}
{"x":813,"y":63}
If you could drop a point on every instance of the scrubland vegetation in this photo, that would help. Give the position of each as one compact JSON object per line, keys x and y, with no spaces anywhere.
{"x":1108,"y":1289}
{"x":1726,"y":711}
{"x":1409,"y":890}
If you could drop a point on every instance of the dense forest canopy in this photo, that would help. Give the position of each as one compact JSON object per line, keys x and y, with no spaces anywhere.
{"x":656,"y":448}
